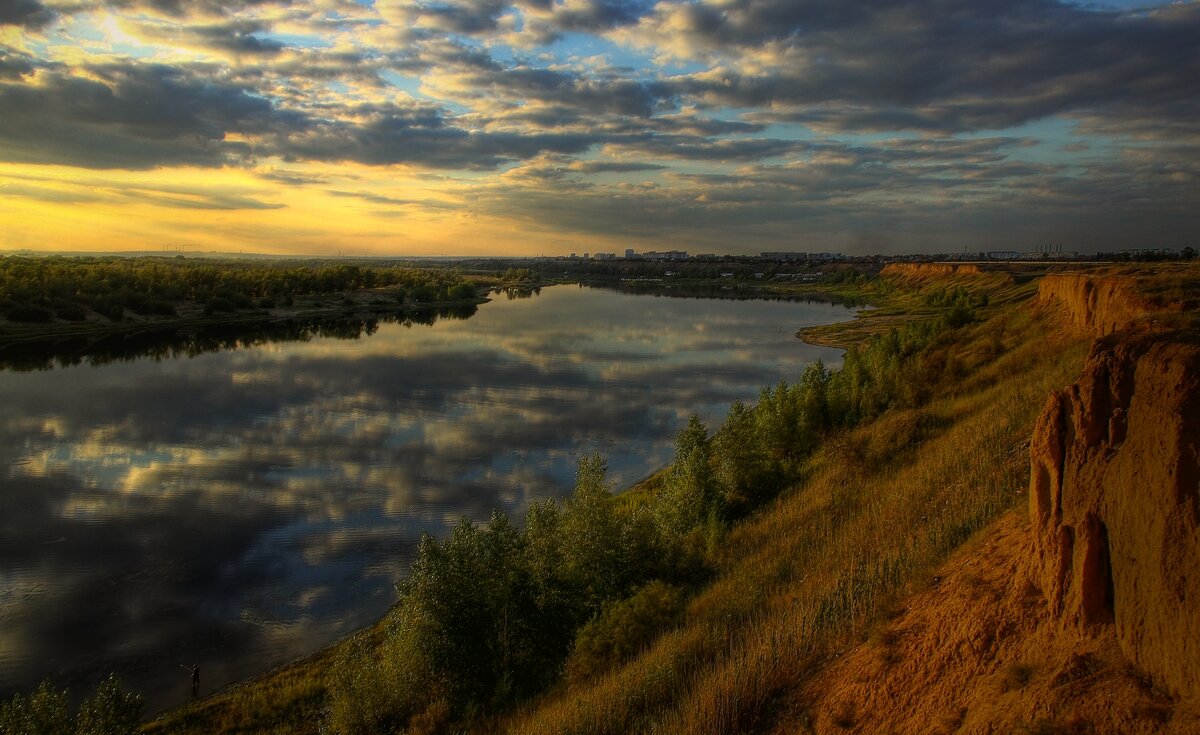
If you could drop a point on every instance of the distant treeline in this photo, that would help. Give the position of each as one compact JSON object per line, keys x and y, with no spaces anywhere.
{"x":501,"y":611}
{"x":39,"y":290}
{"x":168,"y":341}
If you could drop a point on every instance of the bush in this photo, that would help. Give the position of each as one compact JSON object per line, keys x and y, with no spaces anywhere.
{"x":624,"y":629}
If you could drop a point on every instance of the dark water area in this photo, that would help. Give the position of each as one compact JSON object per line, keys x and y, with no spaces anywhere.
{"x":243,"y":504}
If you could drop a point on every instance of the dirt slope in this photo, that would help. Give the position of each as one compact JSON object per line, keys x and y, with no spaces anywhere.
{"x":980,"y":652}
{"x":1085,"y":618}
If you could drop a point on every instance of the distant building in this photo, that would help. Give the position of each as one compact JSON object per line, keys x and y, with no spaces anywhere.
{"x":629,"y":253}
{"x":666,"y":255}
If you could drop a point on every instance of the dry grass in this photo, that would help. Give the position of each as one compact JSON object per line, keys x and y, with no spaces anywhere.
{"x":811,"y":574}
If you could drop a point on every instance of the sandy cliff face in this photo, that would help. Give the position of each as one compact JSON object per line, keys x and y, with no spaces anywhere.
{"x":1115,"y":497}
{"x":1095,"y":304}
{"x":928,"y":271}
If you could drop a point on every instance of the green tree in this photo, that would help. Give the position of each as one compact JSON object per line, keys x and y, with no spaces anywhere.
{"x":690,"y":494}
{"x":592,"y":538}
{"x":42,"y":713}
{"x":109,"y":711}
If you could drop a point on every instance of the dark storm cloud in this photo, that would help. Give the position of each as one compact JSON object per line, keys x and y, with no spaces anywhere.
{"x":235,"y":37}
{"x":582,"y":16}
{"x":184,"y":8}
{"x":143,"y":116}
{"x":579,"y":94}
{"x":466,"y":16}
{"x":598,"y":167}
{"x":420,"y":136}
{"x":597,"y":15}
{"x":130,"y":116}
{"x":26,"y":13}
{"x":14,"y":64}
{"x":701,"y":149}
{"x":547,"y":20}
{"x":947,"y":64}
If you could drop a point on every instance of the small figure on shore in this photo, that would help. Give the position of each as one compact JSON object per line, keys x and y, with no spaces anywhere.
{"x":195,"y":678}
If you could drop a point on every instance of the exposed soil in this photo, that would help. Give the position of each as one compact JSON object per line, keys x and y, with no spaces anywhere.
{"x":980,"y":652}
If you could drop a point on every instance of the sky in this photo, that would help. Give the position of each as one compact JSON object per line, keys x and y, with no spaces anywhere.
{"x":544,"y":127}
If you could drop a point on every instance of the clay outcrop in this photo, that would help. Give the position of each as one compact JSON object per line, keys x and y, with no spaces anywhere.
{"x":1095,"y":304}
{"x":1115,"y":493}
{"x":929,"y":271}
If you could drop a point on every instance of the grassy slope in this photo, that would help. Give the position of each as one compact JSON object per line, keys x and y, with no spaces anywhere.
{"x":882,"y":507}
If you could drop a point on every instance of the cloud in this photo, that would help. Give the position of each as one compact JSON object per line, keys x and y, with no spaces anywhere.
{"x":26,"y":13}
{"x":187,"y":8}
{"x":419,"y":136}
{"x":580,"y":96}
{"x":232,"y":37}
{"x":130,"y":116}
{"x":950,"y":65}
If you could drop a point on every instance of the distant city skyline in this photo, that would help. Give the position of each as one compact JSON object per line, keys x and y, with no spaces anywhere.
{"x":546,"y":127}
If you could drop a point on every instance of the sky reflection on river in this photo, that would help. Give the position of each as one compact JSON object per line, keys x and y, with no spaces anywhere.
{"x":241,"y":508}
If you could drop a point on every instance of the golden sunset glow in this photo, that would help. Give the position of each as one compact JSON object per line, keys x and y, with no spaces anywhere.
{"x":471,"y":128}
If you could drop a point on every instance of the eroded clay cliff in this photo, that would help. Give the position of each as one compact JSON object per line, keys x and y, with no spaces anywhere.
{"x":1097,"y":304}
{"x":1114,"y":496}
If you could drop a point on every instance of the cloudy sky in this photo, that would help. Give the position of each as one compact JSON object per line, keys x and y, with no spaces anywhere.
{"x":551,"y":126}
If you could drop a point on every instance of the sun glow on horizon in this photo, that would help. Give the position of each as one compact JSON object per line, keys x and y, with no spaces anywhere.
{"x":328,"y":126}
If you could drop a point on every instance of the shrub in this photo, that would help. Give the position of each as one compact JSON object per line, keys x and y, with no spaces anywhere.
{"x":624,"y":629}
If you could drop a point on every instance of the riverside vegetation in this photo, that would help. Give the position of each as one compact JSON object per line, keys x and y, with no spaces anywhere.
{"x":44,"y":294}
{"x":697,"y":601}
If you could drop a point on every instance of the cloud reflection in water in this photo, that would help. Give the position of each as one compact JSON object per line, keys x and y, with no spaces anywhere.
{"x":241,"y":508}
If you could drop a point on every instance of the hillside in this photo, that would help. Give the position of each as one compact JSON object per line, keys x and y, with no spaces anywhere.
{"x":1079,"y":615}
{"x":896,"y":584}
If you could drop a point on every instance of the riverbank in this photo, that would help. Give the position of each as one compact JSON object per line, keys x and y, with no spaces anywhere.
{"x":291,"y":698}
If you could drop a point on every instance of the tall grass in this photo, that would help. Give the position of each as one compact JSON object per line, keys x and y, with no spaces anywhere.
{"x":883,"y":505}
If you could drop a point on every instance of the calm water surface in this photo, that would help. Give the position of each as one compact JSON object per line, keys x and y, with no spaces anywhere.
{"x":241,"y":508}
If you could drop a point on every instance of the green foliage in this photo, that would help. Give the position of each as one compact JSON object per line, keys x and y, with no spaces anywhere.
{"x":35,"y":289}
{"x":377,"y":687}
{"x":42,"y":713}
{"x":494,"y":614}
{"x":109,"y":711}
{"x":742,"y":467}
{"x":690,"y":493}
{"x":516,"y":274}
{"x":624,"y":628}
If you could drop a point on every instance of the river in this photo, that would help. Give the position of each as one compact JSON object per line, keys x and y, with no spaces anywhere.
{"x":242,"y":507}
